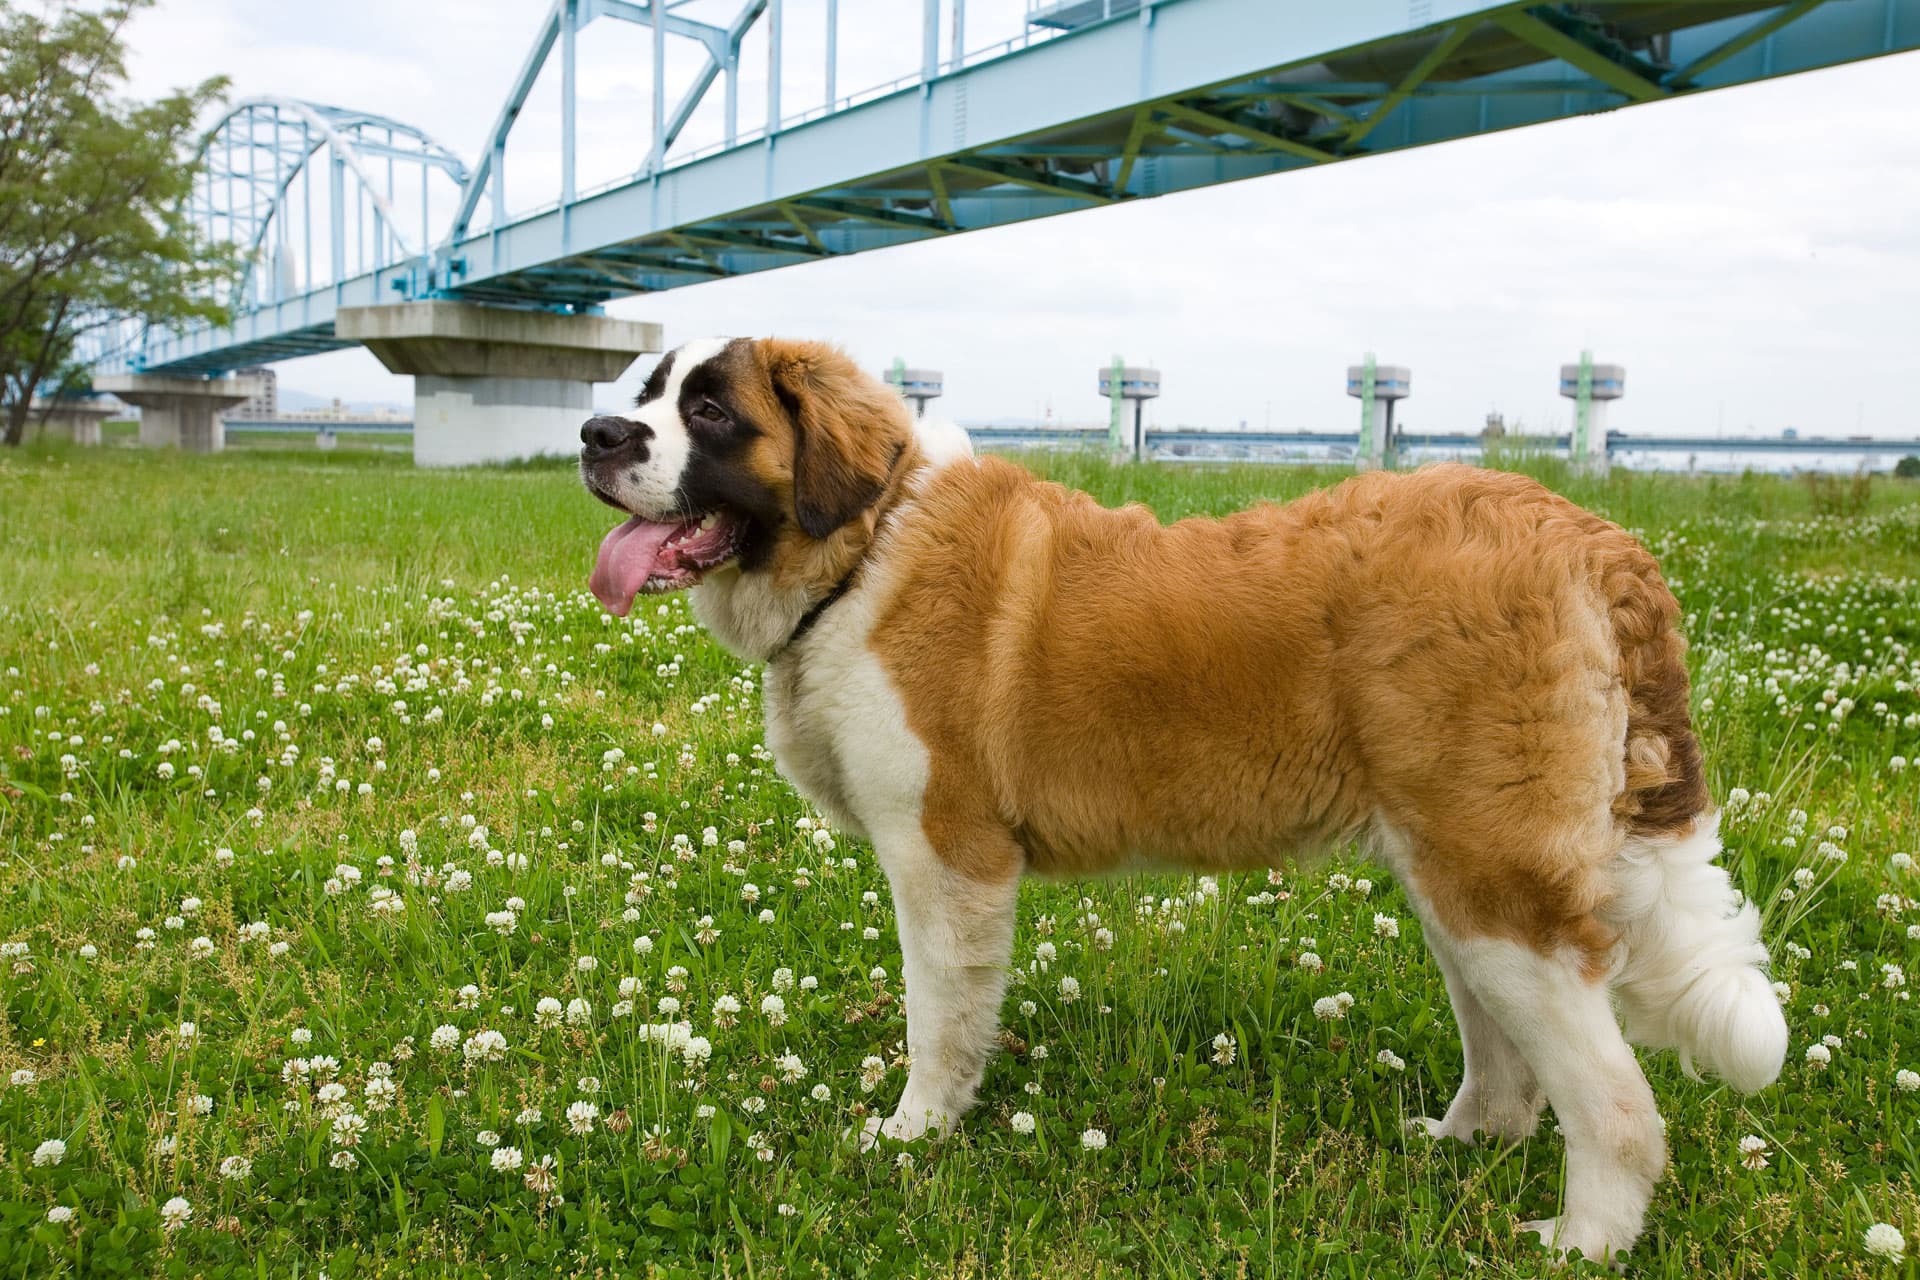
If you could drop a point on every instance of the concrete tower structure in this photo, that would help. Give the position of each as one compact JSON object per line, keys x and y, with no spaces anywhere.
{"x":1377,"y":387}
{"x":916,"y":385}
{"x":1591,"y":387}
{"x":1121,"y":382}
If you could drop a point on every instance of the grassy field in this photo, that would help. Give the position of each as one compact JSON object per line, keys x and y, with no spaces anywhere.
{"x":355,"y":863}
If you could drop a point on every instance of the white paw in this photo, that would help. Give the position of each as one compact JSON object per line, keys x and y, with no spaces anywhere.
{"x":1439,"y":1129}
{"x":1563,"y":1237}
{"x":899,"y":1127}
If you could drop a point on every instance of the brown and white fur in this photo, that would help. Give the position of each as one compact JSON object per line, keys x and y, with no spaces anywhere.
{"x":1478,"y":679}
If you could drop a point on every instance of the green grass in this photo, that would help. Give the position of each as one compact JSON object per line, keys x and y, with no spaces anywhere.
{"x":347,"y":621}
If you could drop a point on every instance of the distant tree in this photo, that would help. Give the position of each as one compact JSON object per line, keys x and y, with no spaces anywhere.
{"x":1908,"y":468}
{"x":92,"y":198}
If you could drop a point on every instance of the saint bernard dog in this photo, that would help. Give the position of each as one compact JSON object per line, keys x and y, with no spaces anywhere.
{"x":988,"y":675}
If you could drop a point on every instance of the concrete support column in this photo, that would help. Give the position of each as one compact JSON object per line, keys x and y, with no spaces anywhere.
{"x":492,"y":384}
{"x":74,"y":419}
{"x":181,"y":412}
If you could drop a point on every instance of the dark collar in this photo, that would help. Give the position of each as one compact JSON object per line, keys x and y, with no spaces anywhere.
{"x":815,"y":611}
{"x":840,"y":588}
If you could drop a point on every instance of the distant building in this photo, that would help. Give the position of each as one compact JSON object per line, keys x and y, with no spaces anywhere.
{"x":262,"y":408}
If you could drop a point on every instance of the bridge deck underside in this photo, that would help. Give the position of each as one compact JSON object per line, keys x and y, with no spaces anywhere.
{"x":1092,"y":118}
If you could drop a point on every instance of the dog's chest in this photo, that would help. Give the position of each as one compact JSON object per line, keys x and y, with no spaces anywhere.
{"x":802,"y":732}
{"x":838,"y":731}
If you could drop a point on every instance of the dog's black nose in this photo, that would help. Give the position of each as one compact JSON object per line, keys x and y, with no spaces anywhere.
{"x":606,"y":433}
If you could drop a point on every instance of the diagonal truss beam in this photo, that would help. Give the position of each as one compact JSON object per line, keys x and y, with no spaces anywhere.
{"x":1617,"y":76}
{"x":1023,"y":176}
{"x":804,"y":227}
{"x":757,"y":244}
{"x":1414,"y":78}
{"x":1746,"y":39}
{"x":1241,"y":129}
{"x":843,"y":209}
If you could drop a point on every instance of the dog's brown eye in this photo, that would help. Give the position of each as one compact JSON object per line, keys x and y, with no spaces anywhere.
{"x":709,"y":412}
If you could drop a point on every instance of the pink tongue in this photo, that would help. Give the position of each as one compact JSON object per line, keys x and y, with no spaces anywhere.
{"x":628,"y":557}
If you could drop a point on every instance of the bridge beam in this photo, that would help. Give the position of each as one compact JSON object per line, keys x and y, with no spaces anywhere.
{"x":181,"y":412}
{"x":493,"y":384}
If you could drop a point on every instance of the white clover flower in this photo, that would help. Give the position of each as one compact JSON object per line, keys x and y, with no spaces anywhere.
{"x":347,"y":1128}
{"x":1094,"y":1140}
{"x":235,"y":1168}
{"x":60,"y":1213}
{"x":1310,"y":962}
{"x":24,"y":1076}
{"x":1390,"y":1060}
{"x":487,"y":1138}
{"x":820,"y":1093}
{"x":783,"y":979}
{"x":1753,"y":1152}
{"x":1907,"y":1081}
{"x":642,"y":945}
{"x":1818,"y":1055}
{"x":580,"y":1117}
{"x":579,"y":1012}
{"x":1386,"y":926}
{"x":50,"y":1152}
{"x":485,"y":1046}
{"x":546,"y":1013}
{"x":445,"y":1038}
{"x":1024,"y":1123}
{"x":1069,"y":989}
{"x":343,"y":1159}
{"x":507,"y":1159}
{"x":1224,"y":1049}
{"x":502,"y":922}
{"x":1883,"y":1240}
{"x":774,"y":1009}
{"x":175,"y":1212}
{"x":188,"y":1033}
{"x":1328,"y":1009}
{"x":790,"y":1067}
{"x":200,"y":1104}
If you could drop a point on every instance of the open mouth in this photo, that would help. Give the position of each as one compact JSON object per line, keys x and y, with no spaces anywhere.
{"x":645,"y":557}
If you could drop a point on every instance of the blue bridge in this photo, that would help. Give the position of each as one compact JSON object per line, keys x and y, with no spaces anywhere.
{"x":366,"y":230}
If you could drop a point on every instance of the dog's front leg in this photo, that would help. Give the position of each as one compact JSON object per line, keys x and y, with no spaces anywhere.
{"x":955,"y":907}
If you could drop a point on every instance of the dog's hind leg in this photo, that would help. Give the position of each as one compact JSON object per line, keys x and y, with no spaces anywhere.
{"x":1554,"y":1009}
{"x":1498,"y":1095}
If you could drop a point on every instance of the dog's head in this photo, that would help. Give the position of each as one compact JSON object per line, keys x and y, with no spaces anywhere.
{"x":739,"y":453}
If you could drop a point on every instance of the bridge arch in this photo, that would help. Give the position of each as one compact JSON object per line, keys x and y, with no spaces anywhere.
{"x":254,"y":186}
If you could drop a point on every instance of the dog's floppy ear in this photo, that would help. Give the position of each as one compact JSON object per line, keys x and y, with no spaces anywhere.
{"x":848,"y":430}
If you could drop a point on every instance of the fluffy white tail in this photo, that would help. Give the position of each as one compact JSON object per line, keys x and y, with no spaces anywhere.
{"x":1691,"y":975}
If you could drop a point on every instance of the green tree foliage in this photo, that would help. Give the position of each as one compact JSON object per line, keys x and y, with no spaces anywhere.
{"x":93,"y":187}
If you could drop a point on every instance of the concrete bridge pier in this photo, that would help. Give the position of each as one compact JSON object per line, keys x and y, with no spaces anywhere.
{"x":492,"y":384}
{"x":72,"y":418}
{"x":181,"y":412}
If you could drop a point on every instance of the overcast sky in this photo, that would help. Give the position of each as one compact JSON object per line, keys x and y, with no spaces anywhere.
{"x":1752,"y":255}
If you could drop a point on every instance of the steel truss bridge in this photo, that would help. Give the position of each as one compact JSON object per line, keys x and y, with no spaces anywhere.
{"x":1096,"y":102}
